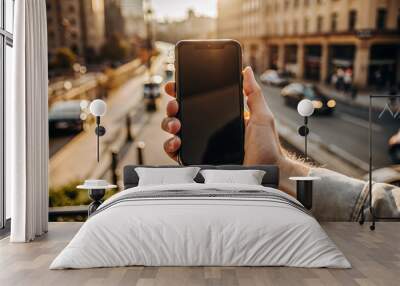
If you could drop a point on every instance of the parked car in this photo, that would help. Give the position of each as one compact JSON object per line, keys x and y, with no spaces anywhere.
{"x":272,"y":77}
{"x":394,"y":148}
{"x":295,"y":92}
{"x":67,"y":116}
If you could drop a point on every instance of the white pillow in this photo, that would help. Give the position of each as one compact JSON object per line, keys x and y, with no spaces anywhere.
{"x":163,"y":176}
{"x":248,"y":177}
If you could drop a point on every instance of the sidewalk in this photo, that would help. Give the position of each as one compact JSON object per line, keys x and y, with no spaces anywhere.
{"x":362,"y":99}
{"x":154,"y":138}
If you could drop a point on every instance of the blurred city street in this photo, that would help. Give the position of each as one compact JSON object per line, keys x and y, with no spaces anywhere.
{"x":329,"y":133}
{"x":78,"y":155}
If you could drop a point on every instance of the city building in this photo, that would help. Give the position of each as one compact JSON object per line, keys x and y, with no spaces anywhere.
{"x":228,"y":21}
{"x":132,"y":11}
{"x":114,"y":20}
{"x":76,"y":24}
{"x":197,"y":26}
{"x":192,"y":27}
{"x":313,"y":38}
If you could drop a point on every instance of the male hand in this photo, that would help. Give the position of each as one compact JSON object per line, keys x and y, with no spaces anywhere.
{"x":262,"y":144}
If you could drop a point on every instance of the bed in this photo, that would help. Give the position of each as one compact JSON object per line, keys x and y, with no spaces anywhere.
{"x":197,"y":224}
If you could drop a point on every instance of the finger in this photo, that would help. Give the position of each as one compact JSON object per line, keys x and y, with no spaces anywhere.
{"x":171,"y":146}
{"x":171,"y":125}
{"x":170,"y":88}
{"x":255,"y":98}
{"x":172,"y":108}
{"x":250,"y":84}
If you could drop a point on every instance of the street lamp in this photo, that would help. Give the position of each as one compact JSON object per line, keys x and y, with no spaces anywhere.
{"x":148,"y":18}
{"x":150,"y":87}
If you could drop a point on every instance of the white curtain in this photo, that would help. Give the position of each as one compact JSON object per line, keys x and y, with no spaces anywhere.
{"x":27,"y":124}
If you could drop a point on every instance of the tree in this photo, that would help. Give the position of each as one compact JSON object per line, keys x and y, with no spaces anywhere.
{"x":64,"y":59}
{"x":115,"y":49}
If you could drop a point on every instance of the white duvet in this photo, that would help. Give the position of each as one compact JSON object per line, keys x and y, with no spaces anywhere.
{"x":200,"y":231}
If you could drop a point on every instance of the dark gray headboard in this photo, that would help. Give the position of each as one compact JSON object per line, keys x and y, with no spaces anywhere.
{"x":271,"y":177}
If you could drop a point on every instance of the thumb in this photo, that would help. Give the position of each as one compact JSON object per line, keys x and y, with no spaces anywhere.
{"x":255,"y":99}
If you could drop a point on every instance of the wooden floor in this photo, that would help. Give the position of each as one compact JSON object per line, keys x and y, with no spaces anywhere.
{"x":375,"y":257}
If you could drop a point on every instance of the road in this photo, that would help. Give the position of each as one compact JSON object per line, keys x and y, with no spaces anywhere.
{"x":56,"y":143}
{"x":346,"y":131}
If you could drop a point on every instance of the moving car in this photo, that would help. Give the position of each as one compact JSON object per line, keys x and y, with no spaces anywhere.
{"x":295,"y":92}
{"x":67,"y":116}
{"x":394,"y":148}
{"x":272,"y":77}
{"x":152,"y":88}
{"x":152,"y":91}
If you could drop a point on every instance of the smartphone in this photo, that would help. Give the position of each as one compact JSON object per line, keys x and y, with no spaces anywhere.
{"x":210,"y":95}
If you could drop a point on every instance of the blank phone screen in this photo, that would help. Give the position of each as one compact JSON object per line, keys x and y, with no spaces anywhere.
{"x":210,"y":103}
